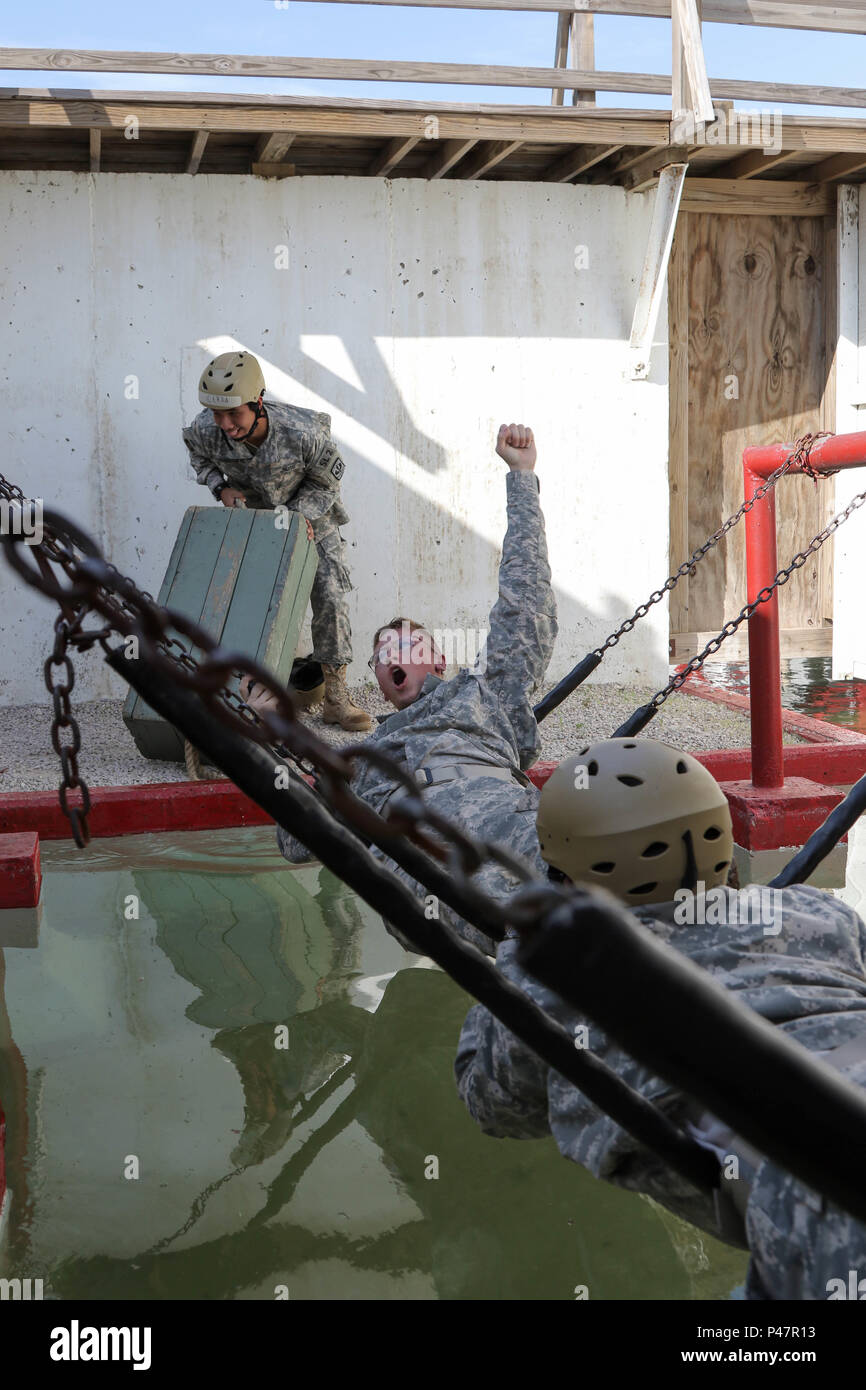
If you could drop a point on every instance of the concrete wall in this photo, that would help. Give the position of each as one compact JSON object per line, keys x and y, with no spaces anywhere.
{"x":849,"y":568}
{"x":419,"y":315}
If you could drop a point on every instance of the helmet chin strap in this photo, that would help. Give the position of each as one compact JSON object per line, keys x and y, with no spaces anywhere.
{"x":690,"y":877}
{"x":260,"y":411}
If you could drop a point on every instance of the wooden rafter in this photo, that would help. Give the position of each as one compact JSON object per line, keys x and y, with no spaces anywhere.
{"x":95,"y":150}
{"x":199,"y":140}
{"x":747,"y":166}
{"x":272,"y":148}
{"x":487,"y":158}
{"x":575,"y":162}
{"x":838,"y":166}
{"x":449,"y":153}
{"x":388,"y":158}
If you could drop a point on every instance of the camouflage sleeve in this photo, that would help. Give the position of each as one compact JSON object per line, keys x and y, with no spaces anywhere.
{"x":500,"y":1081}
{"x":523,"y":620}
{"x":206,"y":471}
{"x":313,"y":500}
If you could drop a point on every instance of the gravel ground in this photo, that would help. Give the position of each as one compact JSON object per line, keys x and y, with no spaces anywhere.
{"x":109,"y":757}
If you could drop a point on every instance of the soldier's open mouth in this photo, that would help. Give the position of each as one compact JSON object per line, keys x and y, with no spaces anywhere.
{"x":398,"y":675}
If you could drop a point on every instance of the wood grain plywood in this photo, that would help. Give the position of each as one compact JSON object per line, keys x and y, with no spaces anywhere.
{"x":757,"y":375}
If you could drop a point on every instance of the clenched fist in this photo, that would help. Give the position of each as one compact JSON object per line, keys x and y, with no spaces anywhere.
{"x":516,"y":444}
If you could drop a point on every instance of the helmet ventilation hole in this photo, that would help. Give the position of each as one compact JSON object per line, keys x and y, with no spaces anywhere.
{"x":592,"y":768}
{"x":641,"y":890}
{"x":657,"y":847}
{"x":681,"y":766}
{"x":606,"y":866}
{"x":629,"y":781}
{"x":714,"y":833}
{"x":629,"y":745}
{"x":724,"y":864}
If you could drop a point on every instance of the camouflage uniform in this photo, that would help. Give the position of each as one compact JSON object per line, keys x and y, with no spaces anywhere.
{"x":809,"y":979}
{"x":296,"y":465}
{"x":480,"y":716}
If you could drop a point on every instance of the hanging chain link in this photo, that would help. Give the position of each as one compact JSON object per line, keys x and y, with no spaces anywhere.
{"x":763,"y":596}
{"x":97,"y":587}
{"x":800,"y":455}
{"x":63,"y":719}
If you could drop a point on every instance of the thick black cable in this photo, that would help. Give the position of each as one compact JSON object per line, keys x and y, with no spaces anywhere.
{"x":568,"y":683}
{"x":302,"y":814}
{"x":825,"y":838}
{"x":673,"y":1017}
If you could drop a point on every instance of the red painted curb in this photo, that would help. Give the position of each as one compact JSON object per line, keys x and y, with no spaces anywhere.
{"x":135,"y":810}
{"x":20,"y":869}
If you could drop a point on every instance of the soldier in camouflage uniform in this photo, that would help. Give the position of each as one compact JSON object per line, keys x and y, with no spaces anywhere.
{"x":805,"y":972}
{"x":249,"y":454}
{"x":468,"y":740}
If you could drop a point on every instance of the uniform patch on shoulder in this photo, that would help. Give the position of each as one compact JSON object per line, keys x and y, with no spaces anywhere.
{"x":338,"y":468}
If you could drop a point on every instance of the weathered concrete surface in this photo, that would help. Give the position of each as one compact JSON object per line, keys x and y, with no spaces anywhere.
{"x":419,"y":315}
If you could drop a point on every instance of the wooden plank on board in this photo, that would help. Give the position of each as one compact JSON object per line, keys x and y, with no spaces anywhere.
{"x":678,"y":418}
{"x":756,"y":197}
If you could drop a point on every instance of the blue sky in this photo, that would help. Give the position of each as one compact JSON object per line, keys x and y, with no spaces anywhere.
{"x":388,"y":32}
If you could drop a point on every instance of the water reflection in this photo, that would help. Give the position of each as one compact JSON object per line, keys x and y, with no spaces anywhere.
{"x":306,"y":1166}
{"x":807,"y":688}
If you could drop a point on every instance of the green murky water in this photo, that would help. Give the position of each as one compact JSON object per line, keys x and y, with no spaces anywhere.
{"x":148,"y":1045}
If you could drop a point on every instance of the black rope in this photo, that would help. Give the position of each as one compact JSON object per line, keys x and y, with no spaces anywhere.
{"x":822,"y":840}
{"x":299,"y":811}
{"x":666,"y":1011}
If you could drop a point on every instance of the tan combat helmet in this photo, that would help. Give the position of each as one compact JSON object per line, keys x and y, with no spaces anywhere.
{"x":232,"y":379}
{"x":636,"y":817}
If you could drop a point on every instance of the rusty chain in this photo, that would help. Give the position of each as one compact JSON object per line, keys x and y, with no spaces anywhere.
{"x":97,"y":587}
{"x":800,"y":455}
{"x":762,"y":596}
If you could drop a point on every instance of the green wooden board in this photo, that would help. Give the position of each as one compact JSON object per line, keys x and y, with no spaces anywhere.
{"x":247,"y":582}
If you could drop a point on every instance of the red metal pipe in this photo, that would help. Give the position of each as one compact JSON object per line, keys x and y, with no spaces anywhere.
{"x":765,"y":688}
{"x":765,"y":681}
{"x":840,"y":451}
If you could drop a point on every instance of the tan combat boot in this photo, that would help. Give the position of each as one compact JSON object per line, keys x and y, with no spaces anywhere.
{"x":338,"y":708}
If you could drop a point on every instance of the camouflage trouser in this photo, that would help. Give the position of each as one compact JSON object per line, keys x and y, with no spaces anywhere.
{"x":802,"y":1245}
{"x":332,"y":634}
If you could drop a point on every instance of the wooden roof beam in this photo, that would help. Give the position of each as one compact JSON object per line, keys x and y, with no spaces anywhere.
{"x":388,"y":158}
{"x":446,"y":157}
{"x":568,"y":166}
{"x":747,"y":166}
{"x":199,"y":140}
{"x":838,"y":166}
{"x":95,"y":150}
{"x":487,"y":158}
{"x":644,"y":172}
{"x":272,"y":148}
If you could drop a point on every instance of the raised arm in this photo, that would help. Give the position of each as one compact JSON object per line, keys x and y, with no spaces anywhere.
{"x":523,"y":620}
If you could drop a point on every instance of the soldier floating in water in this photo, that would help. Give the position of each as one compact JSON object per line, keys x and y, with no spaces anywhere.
{"x":468,"y":740}
{"x":651,"y":824}
{"x":249,"y":454}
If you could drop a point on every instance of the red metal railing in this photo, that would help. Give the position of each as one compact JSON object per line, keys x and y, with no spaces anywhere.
{"x":765,"y":685}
